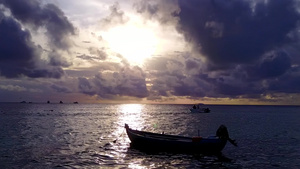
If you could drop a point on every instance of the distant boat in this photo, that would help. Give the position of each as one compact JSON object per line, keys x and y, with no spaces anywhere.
{"x":48,"y":101}
{"x":75,"y":102}
{"x":171,"y":143}
{"x":61,"y":102}
{"x":199,"y":109}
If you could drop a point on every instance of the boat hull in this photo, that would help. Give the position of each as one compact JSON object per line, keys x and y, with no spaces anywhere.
{"x":170,"y":143}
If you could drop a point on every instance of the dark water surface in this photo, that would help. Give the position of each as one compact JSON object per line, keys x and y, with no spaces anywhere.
{"x":93,"y":135}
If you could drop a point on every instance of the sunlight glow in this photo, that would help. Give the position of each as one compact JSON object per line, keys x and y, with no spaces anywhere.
{"x":131,"y":108}
{"x":132,"y":115}
{"x":134,"y":43}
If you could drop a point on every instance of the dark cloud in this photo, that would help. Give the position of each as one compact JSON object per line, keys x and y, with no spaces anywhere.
{"x":285,"y":84}
{"x":250,"y":48}
{"x":235,"y":31}
{"x":272,"y":66}
{"x":237,"y":90}
{"x":49,"y":16}
{"x":54,"y":72}
{"x":85,"y":86}
{"x":169,"y":77}
{"x":191,"y":64}
{"x":16,"y":48}
{"x":127,"y":81}
{"x":18,"y":54}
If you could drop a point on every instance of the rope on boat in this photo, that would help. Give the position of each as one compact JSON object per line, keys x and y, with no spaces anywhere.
{"x":119,"y":136}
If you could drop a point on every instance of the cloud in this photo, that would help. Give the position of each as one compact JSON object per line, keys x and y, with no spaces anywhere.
{"x":100,"y":54}
{"x":12,"y":88}
{"x":238,"y":49}
{"x":16,"y":48}
{"x":49,"y":16}
{"x":94,"y":55}
{"x":128,"y":81}
{"x":191,"y":64}
{"x":19,"y":54}
{"x":172,"y":76}
{"x":117,"y":16}
{"x":55,"y":59}
{"x":85,"y":86}
{"x":286,"y":84}
{"x":250,"y":50}
{"x":87,"y":57}
{"x":52,"y":72}
{"x":60,"y":89}
{"x":162,"y":11}
{"x":235,"y":31}
{"x":272,"y":66}
{"x":184,"y":76}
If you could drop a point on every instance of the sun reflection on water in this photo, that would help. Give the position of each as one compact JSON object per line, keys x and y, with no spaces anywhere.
{"x":132,"y":114}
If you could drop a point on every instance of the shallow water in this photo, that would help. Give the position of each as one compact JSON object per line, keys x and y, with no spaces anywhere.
{"x":93,"y":135}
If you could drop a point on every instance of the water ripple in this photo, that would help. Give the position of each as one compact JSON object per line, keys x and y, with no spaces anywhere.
{"x":93,"y":135}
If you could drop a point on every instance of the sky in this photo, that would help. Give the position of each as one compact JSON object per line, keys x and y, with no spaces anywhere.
{"x":149,"y":51}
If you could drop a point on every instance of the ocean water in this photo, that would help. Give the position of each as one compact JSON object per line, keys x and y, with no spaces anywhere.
{"x":93,"y":135}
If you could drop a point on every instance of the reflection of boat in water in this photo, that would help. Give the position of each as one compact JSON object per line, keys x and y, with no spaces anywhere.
{"x":199,"y":109}
{"x":171,"y":143}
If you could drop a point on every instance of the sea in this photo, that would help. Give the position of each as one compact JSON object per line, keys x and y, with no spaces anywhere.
{"x":92,"y":136}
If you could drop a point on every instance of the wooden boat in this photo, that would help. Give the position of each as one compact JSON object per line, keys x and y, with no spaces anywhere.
{"x":171,"y":143}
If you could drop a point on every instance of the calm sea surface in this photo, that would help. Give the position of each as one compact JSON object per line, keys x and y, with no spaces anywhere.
{"x":93,"y":135}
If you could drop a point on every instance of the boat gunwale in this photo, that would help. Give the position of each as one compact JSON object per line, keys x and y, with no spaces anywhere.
{"x":168,"y":137}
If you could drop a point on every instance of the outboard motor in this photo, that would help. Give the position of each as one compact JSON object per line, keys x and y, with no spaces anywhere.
{"x":222,"y":133}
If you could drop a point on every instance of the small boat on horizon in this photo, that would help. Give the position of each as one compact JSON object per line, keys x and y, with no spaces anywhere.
{"x":148,"y":141}
{"x":199,"y":109}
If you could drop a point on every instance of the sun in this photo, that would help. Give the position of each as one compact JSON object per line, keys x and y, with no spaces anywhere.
{"x":134,"y":43}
